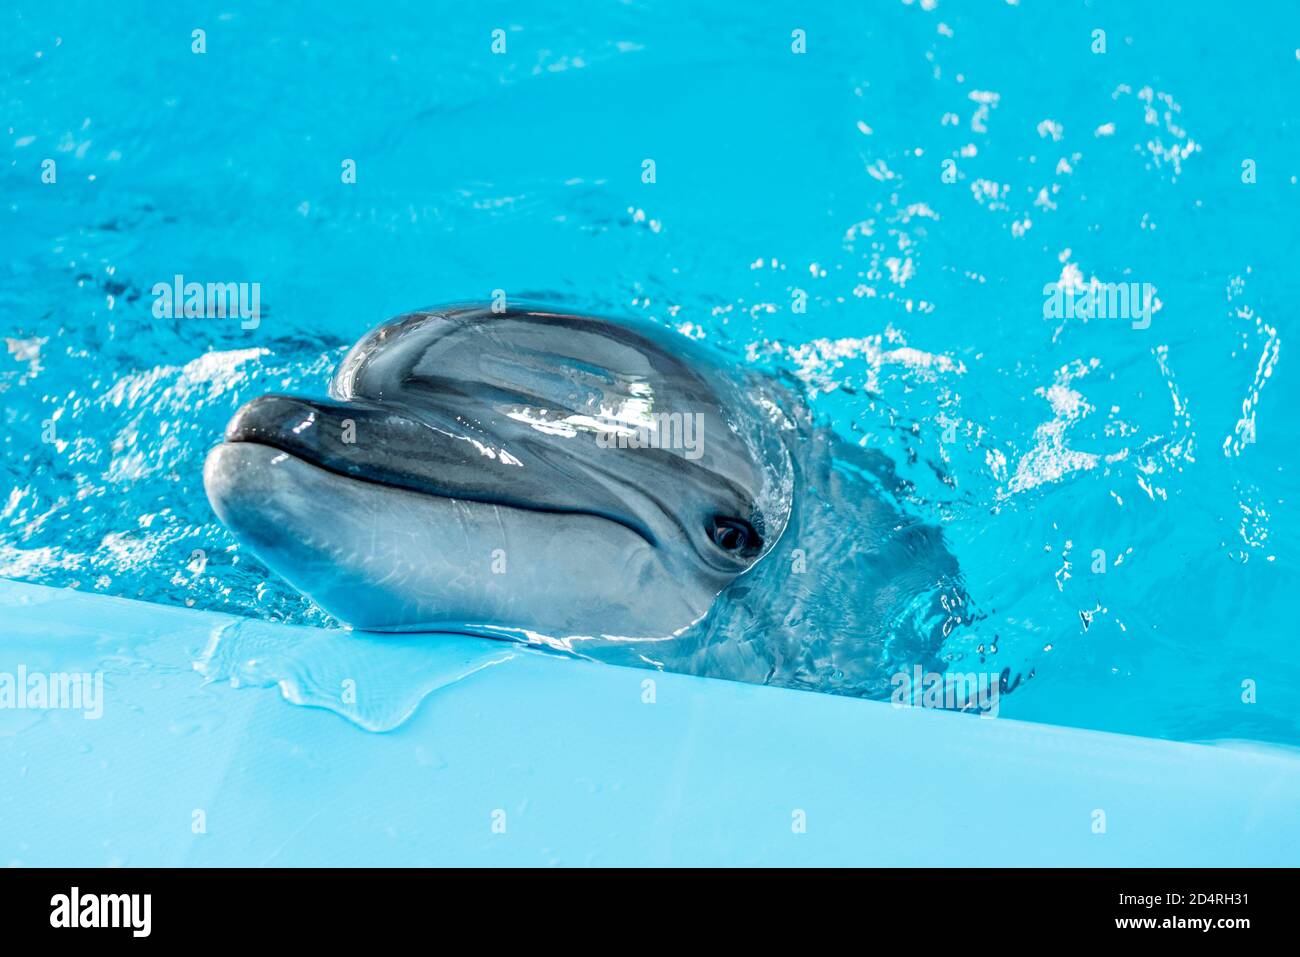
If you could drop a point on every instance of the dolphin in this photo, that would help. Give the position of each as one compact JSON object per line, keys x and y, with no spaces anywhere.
{"x":583,"y":483}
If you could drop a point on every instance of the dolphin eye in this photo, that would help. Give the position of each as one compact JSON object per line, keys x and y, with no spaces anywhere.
{"x":736,"y":536}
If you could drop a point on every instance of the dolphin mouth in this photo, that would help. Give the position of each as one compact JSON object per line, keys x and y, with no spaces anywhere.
{"x":382,"y":445}
{"x":380,"y":558}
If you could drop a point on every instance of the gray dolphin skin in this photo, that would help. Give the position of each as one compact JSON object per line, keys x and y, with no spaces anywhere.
{"x":582,"y":483}
{"x":463,"y":475}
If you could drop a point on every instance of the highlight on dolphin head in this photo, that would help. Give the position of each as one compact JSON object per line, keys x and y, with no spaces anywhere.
{"x":531,"y":472}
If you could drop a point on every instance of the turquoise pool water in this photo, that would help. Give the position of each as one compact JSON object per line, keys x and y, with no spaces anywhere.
{"x":1119,"y":494}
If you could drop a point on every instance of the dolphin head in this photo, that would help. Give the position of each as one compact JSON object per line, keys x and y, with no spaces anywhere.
{"x":529,"y":471}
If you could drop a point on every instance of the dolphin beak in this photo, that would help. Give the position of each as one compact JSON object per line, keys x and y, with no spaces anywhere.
{"x":446,"y":456}
{"x":356,"y":440}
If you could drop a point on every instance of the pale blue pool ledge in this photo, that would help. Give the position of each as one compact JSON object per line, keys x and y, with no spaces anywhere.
{"x":570,"y":762}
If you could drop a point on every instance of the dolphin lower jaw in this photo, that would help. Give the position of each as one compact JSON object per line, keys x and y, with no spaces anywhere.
{"x":392,"y":559}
